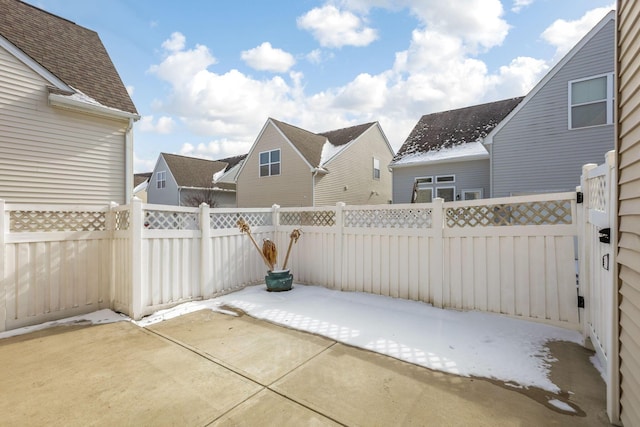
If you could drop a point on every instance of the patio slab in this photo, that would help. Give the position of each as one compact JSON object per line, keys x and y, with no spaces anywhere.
{"x":208,"y":368}
{"x":258,"y":350}
{"x":113,"y":374}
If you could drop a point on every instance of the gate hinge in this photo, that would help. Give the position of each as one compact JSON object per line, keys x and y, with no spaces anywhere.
{"x":580,"y":301}
{"x":579,"y":197}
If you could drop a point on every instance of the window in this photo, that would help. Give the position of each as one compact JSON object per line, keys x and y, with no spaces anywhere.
{"x":270,"y":163}
{"x":376,"y":168}
{"x":161,"y":179}
{"x":445,"y":178}
{"x":423,"y":190}
{"x":472,"y":194}
{"x":446,"y":193}
{"x":591,"y":101}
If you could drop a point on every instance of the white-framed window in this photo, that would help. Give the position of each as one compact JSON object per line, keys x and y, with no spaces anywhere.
{"x":445,"y":178}
{"x":376,"y":168}
{"x":423,"y":190}
{"x":591,"y":101}
{"x":270,"y":163}
{"x":473,"y":194}
{"x":161,"y":179}
{"x":446,"y":193}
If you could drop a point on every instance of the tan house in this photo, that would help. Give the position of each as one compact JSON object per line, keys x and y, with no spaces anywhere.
{"x":625,"y":408}
{"x":290,"y":166}
{"x":65,"y":116}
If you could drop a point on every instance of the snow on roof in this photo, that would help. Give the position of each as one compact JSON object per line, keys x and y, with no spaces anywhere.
{"x":457,"y":152}
{"x":329,"y":151}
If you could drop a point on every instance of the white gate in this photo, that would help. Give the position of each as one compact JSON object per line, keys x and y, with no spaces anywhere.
{"x":597,"y":264}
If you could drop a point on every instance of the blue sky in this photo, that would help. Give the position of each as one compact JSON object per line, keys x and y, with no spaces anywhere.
{"x":205,"y":76}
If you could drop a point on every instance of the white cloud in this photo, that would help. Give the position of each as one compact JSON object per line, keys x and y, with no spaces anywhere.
{"x":518,"y":5}
{"x":143,"y":165}
{"x":164,"y":125}
{"x":318,"y":56}
{"x":563,"y":35}
{"x":215,"y":150}
{"x":175,"y":43}
{"x":267,"y":58}
{"x":335,"y":28}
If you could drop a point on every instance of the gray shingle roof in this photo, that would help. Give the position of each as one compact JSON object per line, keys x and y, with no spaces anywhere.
{"x":72,"y":53}
{"x":310,"y":144}
{"x":454,"y":127}
{"x":191,"y":171}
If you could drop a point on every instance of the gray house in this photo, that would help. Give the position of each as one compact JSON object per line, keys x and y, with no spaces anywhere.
{"x":565,"y":122}
{"x":189,"y":181}
{"x":443,"y":156}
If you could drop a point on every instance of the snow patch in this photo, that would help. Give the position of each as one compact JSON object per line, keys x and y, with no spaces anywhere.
{"x":469,"y":149}
{"x":562,"y":405}
{"x":329,"y":151}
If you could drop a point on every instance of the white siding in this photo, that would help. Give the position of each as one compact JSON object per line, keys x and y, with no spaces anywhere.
{"x":628,"y":147}
{"x":535,"y":151}
{"x":50,"y":155}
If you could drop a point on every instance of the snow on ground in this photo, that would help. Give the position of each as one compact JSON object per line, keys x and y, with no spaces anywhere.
{"x":462,"y":343}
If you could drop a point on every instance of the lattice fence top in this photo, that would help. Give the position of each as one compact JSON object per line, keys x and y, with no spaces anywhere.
{"x":554,"y":212}
{"x":37,"y":221}
{"x":598,"y":193}
{"x":163,"y":220}
{"x":230,"y":220}
{"x":388,"y":218}
{"x":121,"y":219}
{"x":309,"y":218}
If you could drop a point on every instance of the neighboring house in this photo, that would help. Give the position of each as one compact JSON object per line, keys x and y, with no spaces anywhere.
{"x":627,"y":249}
{"x":565,"y":122}
{"x":189,"y":181}
{"x":140,"y":183}
{"x":443,"y":156}
{"x":290,"y":166}
{"x":65,"y":116}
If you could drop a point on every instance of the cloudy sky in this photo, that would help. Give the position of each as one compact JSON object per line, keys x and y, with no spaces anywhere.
{"x":205,"y":76}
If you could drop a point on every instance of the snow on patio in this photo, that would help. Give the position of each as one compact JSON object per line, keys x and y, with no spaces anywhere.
{"x":463,"y":343}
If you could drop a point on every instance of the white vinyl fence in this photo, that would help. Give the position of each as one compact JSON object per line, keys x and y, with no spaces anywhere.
{"x":513,"y":256}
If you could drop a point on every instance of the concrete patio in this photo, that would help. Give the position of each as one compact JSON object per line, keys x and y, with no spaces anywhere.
{"x":209,"y":368}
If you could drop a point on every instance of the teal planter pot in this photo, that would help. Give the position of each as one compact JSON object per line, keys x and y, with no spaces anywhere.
{"x":278,"y":281}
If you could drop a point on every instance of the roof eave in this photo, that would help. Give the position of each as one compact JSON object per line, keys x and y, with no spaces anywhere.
{"x":440,"y":161}
{"x":63,"y":101}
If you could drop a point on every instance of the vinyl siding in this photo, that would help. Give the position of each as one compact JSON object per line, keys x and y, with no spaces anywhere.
{"x":535,"y":151}
{"x":289,"y":189}
{"x":472,"y":174}
{"x":353,"y":169}
{"x":628,"y":257}
{"x":50,"y":155}
{"x":162,"y":196}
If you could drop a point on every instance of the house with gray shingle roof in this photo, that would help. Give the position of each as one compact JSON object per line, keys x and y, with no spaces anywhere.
{"x":444,"y":156}
{"x":65,"y":116}
{"x":190,"y":181}
{"x":291,"y":166}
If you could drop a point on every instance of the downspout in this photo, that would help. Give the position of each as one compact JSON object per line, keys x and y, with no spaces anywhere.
{"x":313,"y":187}
{"x":128,"y":166}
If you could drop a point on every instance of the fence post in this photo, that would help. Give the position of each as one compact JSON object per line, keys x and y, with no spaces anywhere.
{"x":339,"y":274}
{"x":584,"y":248}
{"x":4,"y":229}
{"x":436,"y":264}
{"x":111,"y":224}
{"x":137,"y":287}
{"x":206,"y":279}
{"x":613,"y":365}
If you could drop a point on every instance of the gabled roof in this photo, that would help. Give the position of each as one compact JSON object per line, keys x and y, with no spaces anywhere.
{"x":447,"y":130}
{"x":139,"y":178}
{"x":191,"y":171}
{"x":610,"y":16}
{"x":72,"y":53}
{"x":313,"y":147}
